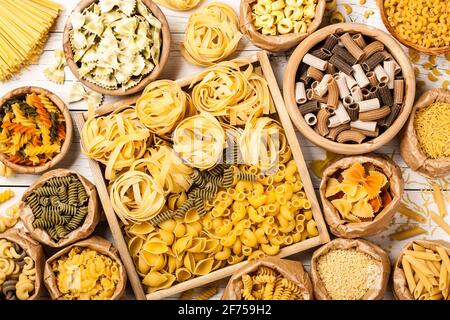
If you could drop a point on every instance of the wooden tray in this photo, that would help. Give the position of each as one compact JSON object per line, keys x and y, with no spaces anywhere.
{"x":323,"y":237}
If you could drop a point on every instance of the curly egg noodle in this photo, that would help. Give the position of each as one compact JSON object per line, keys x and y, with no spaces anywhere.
{"x":180,"y":5}
{"x":212,"y":34}
{"x":231,"y":94}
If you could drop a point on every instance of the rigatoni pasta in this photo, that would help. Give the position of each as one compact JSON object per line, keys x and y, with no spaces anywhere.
{"x":354,"y":77}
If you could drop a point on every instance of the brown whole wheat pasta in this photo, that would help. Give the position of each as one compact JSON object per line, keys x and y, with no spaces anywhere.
{"x":314,"y":73}
{"x":357,"y":94}
{"x":399,"y":87}
{"x":311,"y":95}
{"x":322,"y":122}
{"x":365,"y":93}
{"x":353,"y":111}
{"x":371,"y":62}
{"x":322,"y":53}
{"x":331,"y":69}
{"x":386,"y":55}
{"x":333,"y":93}
{"x":350,"y":136}
{"x":372,"y":78}
{"x":339,"y":63}
{"x":373,"y":94}
{"x":331,"y":41}
{"x":348,"y":100}
{"x":344,"y":54}
{"x":308,"y":107}
{"x":394,"y":112}
{"x":376,"y":114}
{"x":370,"y":134}
{"x":359,"y":40}
{"x":311,"y":119}
{"x":352,"y":46}
{"x":304,"y":77}
{"x":342,"y":85}
{"x":385,"y":94}
{"x":335,"y":131}
{"x":372,"y":48}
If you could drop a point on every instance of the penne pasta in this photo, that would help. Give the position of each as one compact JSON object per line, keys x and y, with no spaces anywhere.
{"x":408,"y":233}
{"x":439,"y":200}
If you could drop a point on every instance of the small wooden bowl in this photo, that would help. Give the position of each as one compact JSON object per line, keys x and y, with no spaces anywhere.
{"x":67,"y":141}
{"x":409,"y":44}
{"x":85,"y":230}
{"x":277,"y":43}
{"x":290,"y":78}
{"x":165,"y":51}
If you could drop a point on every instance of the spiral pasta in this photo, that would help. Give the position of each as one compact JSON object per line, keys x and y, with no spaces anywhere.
{"x":59,"y":206}
{"x":212,"y":34}
{"x":116,"y":140}
{"x":236,"y":96}
{"x":162,"y":106}
{"x":32,"y":130}
{"x":199,"y":140}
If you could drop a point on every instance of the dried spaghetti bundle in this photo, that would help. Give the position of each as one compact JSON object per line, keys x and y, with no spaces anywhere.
{"x":24,"y":28}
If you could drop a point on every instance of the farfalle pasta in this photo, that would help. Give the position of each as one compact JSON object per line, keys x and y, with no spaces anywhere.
{"x":115,"y":43}
{"x":360,"y":195}
{"x":33,"y":129}
{"x":86,"y":274}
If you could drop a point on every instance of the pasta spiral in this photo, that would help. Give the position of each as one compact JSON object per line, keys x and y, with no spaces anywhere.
{"x":199,"y":140}
{"x":212,"y":34}
{"x":136,"y":197}
{"x":233,"y":95}
{"x":162,"y":106}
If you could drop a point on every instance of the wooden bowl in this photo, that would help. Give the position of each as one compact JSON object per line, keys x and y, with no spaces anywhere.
{"x":165,"y":50}
{"x":277,"y":43}
{"x":409,"y":44}
{"x":68,"y":120}
{"x":290,"y":78}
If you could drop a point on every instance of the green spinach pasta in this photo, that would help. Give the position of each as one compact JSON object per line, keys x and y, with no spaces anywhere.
{"x":60,"y":206}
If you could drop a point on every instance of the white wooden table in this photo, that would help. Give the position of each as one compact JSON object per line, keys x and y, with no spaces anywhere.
{"x":416,"y":187}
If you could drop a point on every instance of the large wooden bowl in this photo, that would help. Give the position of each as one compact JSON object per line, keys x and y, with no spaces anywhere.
{"x":67,"y":141}
{"x":290,"y":78}
{"x":165,"y":50}
{"x":430,"y":51}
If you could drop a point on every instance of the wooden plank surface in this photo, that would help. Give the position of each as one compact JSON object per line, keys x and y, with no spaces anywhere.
{"x":416,"y":187}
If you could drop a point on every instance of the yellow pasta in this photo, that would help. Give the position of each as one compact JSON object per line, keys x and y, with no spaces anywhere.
{"x":439,"y":200}
{"x":211,"y":35}
{"x":180,"y":5}
{"x":408,"y":233}
{"x":426,"y":272}
{"x":24,"y":29}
